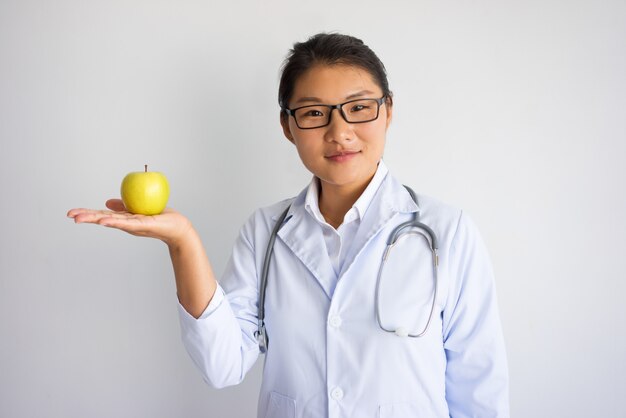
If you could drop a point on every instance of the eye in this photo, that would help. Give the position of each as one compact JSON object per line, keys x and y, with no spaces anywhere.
{"x":313,"y":113}
{"x":358,"y":107}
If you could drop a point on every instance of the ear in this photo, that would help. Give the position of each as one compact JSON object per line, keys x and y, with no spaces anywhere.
{"x":284,"y":122}
{"x":389,"y":109}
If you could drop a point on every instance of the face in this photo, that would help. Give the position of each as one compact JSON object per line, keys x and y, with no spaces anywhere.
{"x":341,"y":154}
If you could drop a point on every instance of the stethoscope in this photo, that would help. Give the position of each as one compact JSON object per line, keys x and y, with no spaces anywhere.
{"x":412,"y":227}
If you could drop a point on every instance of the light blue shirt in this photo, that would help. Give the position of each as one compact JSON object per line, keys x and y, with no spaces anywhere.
{"x":327,"y":356}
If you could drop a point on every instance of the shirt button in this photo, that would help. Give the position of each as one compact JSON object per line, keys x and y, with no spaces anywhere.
{"x":336,"y":394}
{"x":334,"y":321}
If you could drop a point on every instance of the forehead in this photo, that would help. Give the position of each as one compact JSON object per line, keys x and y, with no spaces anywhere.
{"x":333,"y":83}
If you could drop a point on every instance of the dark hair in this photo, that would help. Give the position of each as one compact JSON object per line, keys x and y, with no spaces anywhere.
{"x":329,"y":49}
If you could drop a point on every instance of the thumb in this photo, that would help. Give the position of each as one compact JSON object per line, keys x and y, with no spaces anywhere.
{"x":116,"y":205}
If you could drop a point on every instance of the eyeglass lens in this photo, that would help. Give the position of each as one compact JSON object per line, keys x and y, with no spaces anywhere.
{"x":364,"y":110}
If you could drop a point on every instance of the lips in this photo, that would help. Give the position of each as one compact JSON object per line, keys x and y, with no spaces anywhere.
{"x":342,"y":156}
{"x":342,"y":153}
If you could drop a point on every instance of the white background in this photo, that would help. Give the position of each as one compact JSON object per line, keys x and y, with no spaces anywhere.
{"x":513,"y":111}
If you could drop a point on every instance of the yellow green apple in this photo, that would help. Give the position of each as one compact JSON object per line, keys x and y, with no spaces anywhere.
{"x":145,"y":192}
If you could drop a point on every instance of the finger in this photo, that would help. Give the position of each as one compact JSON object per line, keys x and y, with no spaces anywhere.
{"x":72,"y":213}
{"x":110,"y":222}
{"x":131,"y":225}
{"x":116,"y":205}
{"x":111,"y":204}
{"x":93,"y":216}
{"x":77,"y":211}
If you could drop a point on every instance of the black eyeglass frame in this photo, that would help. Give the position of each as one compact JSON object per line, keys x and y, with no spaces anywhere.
{"x":292,"y":112}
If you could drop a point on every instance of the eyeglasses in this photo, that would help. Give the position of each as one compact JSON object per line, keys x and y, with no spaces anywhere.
{"x":354,"y":111}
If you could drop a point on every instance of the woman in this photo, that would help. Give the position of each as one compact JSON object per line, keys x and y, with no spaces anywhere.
{"x":327,"y":302}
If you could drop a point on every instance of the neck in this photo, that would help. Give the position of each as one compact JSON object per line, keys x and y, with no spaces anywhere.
{"x":335,"y":201}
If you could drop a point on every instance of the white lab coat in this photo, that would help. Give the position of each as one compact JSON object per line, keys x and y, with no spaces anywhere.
{"x":327,"y":356}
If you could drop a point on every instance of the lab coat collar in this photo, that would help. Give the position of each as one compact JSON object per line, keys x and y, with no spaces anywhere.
{"x":304,"y":237}
{"x":390,"y":199}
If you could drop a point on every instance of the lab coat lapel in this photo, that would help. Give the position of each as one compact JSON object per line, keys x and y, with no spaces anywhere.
{"x":304,"y":237}
{"x":390,"y":199}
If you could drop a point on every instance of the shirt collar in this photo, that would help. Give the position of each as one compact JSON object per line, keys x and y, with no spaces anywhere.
{"x":311,"y":202}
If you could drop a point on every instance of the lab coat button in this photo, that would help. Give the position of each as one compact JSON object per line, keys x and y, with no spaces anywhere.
{"x":334,"y":321}
{"x":337,"y":394}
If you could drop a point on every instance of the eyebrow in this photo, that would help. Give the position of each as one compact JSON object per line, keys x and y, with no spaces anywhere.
{"x":311,"y":99}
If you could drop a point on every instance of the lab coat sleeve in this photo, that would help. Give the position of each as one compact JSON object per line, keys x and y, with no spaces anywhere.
{"x":221,"y":341}
{"x":476,"y":372}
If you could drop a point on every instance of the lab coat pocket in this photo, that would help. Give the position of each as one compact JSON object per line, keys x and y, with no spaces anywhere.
{"x":280,"y":406}
{"x":400,"y":410}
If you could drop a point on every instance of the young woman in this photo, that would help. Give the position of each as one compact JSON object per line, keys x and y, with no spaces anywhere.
{"x":351,"y":328}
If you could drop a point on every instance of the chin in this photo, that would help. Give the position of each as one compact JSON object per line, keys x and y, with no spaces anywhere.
{"x":343,"y":180}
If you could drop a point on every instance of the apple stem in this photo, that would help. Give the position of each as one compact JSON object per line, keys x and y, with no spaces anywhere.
{"x":145,"y":167}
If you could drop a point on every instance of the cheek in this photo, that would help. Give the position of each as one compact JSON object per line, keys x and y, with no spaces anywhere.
{"x":307,"y":148}
{"x":374,"y":134}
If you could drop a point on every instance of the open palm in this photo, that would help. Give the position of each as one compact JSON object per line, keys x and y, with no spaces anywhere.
{"x":167,"y":226}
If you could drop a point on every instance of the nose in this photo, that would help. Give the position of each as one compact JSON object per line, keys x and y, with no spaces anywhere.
{"x":338,"y":130}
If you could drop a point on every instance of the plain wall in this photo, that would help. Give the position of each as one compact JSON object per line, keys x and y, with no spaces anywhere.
{"x":513,"y":111}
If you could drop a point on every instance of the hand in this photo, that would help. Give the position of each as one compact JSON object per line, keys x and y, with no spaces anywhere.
{"x":170,"y":226}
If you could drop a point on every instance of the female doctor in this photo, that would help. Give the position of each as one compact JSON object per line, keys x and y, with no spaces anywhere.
{"x":346,"y":337}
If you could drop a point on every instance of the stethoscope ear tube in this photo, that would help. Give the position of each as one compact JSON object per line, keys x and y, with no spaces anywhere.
{"x":397,"y":231}
{"x":414,"y":223}
{"x":261,"y":333}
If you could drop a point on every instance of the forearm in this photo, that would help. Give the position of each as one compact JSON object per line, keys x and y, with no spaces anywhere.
{"x":221,"y":343}
{"x":195,"y":281}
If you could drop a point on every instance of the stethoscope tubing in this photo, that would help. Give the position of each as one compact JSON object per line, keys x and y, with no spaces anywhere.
{"x":396,"y":234}
{"x":431,"y":238}
{"x":261,"y":333}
